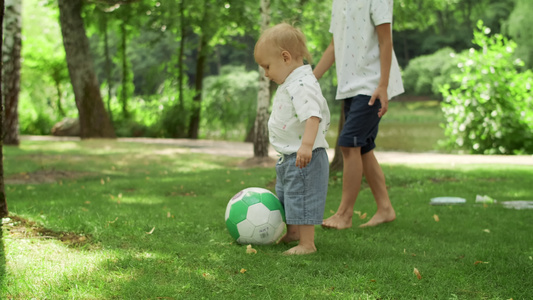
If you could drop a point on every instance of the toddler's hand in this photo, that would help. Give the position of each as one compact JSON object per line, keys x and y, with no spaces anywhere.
{"x":303,"y":156}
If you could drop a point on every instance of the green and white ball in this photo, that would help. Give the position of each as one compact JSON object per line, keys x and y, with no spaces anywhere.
{"x":255,"y":216}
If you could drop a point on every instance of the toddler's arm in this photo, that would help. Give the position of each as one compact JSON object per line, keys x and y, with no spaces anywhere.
{"x":305,"y":153}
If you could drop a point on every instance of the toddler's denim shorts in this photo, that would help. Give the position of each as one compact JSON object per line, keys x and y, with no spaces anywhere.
{"x":303,"y":191}
{"x":361,"y":123}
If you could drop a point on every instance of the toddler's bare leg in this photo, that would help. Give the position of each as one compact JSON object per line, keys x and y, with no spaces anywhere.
{"x":351,"y":184}
{"x":292,"y":234}
{"x":307,"y":241}
{"x":376,"y":180}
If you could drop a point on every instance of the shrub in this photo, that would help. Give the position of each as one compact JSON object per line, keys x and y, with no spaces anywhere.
{"x":491,"y":110}
{"x":229,"y":103}
{"x":424,"y":73}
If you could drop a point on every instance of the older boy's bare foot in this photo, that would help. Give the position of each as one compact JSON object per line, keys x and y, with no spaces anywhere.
{"x":380,"y":217}
{"x":300,"y":250}
{"x":338,"y":222}
{"x":287,"y":238}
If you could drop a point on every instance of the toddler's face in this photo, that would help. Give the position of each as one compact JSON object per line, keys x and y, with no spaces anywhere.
{"x":277,"y":66}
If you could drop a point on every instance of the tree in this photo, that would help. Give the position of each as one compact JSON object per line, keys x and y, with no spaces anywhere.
{"x":11,"y":77}
{"x":213,"y":22}
{"x":94,"y":120}
{"x":3,"y":203}
{"x":519,"y":28}
{"x":261,"y":141}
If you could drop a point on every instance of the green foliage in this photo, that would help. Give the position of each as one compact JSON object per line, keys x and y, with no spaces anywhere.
{"x":229,"y":105}
{"x":424,"y":74}
{"x":45,"y":96}
{"x":491,"y":111}
{"x":159,"y":115}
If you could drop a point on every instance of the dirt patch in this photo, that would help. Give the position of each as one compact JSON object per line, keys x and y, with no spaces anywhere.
{"x":44,"y":176}
{"x":20,"y":228}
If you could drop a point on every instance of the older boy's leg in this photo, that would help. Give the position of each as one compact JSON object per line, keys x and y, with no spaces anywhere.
{"x":351,"y":183}
{"x":307,"y":241}
{"x":376,"y":180}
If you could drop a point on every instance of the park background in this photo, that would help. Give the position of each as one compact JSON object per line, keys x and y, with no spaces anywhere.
{"x":96,"y":217}
{"x":177,"y":69}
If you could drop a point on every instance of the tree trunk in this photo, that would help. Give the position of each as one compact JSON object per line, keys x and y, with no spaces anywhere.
{"x":108,"y":64}
{"x":11,"y":70}
{"x":94,"y":121}
{"x":3,"y":203}
{"x":261,"y":141}
{"x":194,"y":125}
{"x":181,"y":98}
{"x":125,"y":68}
{"x":337,"y":164}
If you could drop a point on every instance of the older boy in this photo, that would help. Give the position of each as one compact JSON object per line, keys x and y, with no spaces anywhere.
{"x":367,"y":75}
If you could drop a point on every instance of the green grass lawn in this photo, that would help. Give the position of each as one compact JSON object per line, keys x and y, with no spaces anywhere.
{"x":111,"y":220}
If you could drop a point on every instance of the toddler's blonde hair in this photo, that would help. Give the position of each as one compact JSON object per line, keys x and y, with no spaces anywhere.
{"x":287,"y":38}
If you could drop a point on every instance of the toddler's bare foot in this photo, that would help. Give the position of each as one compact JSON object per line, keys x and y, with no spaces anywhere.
{"x":383,"y":216}
{"x":300,"y":250}
{"x":288,"y":237}
{"x":338,"y":222}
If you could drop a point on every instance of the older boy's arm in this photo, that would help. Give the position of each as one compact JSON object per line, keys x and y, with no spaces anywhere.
{"x":326,"y":61}
{"x":305,"y":153}
{"x":385,"y":57}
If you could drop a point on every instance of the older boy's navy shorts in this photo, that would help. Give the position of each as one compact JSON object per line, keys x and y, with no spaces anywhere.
{"x":361,"y":123}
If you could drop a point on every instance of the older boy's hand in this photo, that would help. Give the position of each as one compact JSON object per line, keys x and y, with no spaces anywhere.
{"x":303,"y":156}
{"x":381,"y":94}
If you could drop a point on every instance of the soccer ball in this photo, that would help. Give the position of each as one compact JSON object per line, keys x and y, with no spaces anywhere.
{"x":255,"y":216}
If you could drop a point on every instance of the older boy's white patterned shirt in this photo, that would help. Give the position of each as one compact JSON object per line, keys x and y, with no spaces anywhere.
{"x":353,"y":24}
{"x":296,"y":100}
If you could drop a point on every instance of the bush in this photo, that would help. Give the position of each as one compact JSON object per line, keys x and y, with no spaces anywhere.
{"x":159,"y":115}
{"x":424,"y":73}
{"x":491,"y":110}
{"x":229,"y":103}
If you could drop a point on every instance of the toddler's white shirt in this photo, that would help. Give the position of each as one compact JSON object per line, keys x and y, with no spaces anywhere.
{"x":296,"y":100}
{"x":356,"y":42}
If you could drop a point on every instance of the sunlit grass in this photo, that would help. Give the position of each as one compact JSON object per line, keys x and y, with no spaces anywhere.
{"x":150,"y":219}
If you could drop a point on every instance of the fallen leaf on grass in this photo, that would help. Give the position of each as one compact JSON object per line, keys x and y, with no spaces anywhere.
{"x":436,"y":218}
{"x":480,"y":262}
{"x":111,"y":222}
{"x":250,"y":250}
{"x":486,"y":230}
{"x":361,"y":215}
{"x":417,"y":273}
{"x":242,"y":271}
{"x":151,"y":231}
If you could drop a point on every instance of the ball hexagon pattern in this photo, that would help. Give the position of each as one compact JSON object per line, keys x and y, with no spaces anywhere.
{"x":255,"y":216}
